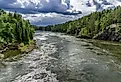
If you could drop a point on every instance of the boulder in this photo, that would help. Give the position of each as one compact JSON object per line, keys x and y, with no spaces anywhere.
{"x":109,"y":34}
{"x":1,"y":56}
{"x":83,"y":36}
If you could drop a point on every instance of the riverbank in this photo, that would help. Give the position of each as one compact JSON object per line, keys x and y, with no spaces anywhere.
{"x":111,"y":48}
{"x":13,"y":49}
{"x":31,"y":67}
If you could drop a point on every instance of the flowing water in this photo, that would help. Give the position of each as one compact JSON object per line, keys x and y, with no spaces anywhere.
{"x":64,"y":58}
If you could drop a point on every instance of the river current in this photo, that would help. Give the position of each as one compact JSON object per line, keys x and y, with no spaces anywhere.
{"x":62,"y":58}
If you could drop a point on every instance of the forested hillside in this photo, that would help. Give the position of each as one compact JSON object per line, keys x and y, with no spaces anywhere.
{"x":91,"y":25}
{"x":14,"y":29}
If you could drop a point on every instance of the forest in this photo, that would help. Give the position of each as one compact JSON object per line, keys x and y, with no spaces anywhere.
{"x":16,"y":34}
{"x":14,"y":29}
{"x":91,"y":25}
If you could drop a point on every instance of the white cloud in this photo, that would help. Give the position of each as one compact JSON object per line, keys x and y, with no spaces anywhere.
{"x":49,"y":18}
{"x":41,"y":5}
{"x":44,"y":12}
{"x":57,"y":5}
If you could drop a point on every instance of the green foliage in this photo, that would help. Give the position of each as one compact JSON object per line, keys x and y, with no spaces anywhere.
{"x":28,"y":47}
{"x":90,"y":25}
{"x":13,"y":28}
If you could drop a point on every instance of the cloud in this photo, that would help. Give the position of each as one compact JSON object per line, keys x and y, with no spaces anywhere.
{"x":41,"y":5}
{"x":44,"y":12}
{"x":58,"y":6}
{"x":49,"y":18}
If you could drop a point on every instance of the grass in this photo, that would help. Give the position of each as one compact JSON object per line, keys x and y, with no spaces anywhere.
{"x":22,"y":48}
{"x":112,"y":47}
{"x":25,"y":48}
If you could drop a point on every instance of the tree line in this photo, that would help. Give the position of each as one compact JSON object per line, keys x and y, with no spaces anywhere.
{"x":14,"y":29}
{"x":91,"y":24}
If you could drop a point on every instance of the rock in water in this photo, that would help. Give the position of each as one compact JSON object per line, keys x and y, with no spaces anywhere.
{"x":1,"y":56}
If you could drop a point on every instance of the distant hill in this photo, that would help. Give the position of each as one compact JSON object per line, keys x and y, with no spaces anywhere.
{"x":91,"y":26}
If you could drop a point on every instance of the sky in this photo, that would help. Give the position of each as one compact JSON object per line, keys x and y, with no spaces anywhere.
{"x":41,"y":12}
{"x":48,"y":12}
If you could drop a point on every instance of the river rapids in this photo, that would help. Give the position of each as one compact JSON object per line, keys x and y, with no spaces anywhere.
{"x":61,"y":58}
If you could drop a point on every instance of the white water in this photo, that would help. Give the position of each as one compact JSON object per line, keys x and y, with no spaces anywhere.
{"x":61,"y":58}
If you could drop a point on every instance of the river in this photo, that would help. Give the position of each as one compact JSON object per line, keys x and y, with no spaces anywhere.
{"x":64,"y":58}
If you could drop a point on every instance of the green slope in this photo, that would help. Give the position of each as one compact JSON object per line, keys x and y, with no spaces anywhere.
{"x":91,"y":25}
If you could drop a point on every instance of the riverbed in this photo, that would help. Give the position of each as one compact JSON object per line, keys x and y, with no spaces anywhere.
{"x":63,"y":58}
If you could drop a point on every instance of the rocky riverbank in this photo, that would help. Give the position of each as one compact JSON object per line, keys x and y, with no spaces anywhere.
{"x":111,"y":33}
{"x":16,"y":48}
{"x":32,"y":66}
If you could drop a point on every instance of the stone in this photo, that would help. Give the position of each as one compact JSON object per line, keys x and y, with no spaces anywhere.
{"x":40,"y":76}
{"x":108,"y":34}
{"x":1,"y":55}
